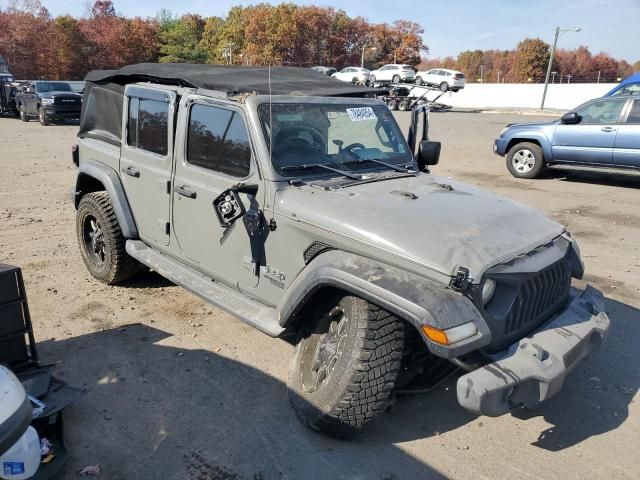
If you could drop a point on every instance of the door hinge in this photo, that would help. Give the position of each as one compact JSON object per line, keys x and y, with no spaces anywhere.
{"x":169,"y":187}
{"x":167,"y":228}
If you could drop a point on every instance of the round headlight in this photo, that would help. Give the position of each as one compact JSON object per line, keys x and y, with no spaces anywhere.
{"x":488,"y":289}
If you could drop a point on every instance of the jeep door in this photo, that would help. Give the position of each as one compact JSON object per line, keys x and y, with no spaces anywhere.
{"x":213,"y":154}
{"x":591,"y":140}
{"x":146,"y":158}
{"x":626,"y":151}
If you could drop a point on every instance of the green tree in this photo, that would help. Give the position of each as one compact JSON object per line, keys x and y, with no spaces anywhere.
{"x":531,"y":60}
{"x":180,"y":40}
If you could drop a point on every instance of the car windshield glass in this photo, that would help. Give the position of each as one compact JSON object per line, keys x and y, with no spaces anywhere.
{"x":329,"y":134}
{"x":53,"y":87}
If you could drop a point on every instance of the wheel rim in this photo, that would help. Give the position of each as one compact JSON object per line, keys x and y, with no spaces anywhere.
{"x":523,"y":160}
{"x":93,"y":238}
{"x":323,"y":350}
{"x":396,"y":79}
{"x":21,"y":111}
{"x":444,"y":87}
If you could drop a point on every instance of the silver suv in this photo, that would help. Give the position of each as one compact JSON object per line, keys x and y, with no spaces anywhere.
{"x":296,"y":204}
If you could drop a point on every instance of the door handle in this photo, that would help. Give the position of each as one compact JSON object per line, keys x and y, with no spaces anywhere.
{"x":131,"y":171}
{"x":185,"y":191}
{"x":607,"y":129}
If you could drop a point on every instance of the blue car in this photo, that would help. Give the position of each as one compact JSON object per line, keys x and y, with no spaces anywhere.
{"x":604,"y":132}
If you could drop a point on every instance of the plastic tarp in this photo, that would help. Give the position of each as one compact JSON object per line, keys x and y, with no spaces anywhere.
{"x":101,"y":116}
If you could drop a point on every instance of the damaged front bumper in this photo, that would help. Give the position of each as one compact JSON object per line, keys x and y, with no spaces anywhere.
{"x":533,"y":369}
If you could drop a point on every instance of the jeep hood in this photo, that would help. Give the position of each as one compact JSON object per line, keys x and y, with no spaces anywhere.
{"x":434,"y":222}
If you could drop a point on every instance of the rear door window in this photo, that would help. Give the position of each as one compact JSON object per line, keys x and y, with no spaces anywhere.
{"x":218,"y":140}
{"x":148,"y":125}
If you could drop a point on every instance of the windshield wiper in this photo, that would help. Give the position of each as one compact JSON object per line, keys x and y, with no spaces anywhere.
{"x":398,"y":168}
{"x":307,"y":166}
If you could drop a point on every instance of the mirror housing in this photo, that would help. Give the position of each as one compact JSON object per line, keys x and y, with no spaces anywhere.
{"x":428,"y":154}
{"x":570,"y":118}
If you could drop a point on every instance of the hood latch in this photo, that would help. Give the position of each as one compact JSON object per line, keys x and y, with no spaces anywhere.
{"x":460,"y":282}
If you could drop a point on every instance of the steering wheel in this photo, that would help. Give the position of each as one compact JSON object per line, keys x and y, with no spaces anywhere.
{"x":351,"y":146}
{"x":290,"y":136}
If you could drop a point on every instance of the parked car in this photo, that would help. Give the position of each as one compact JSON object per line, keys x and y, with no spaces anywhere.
{"x":442,"y":78}
{"x":328,"y":71}
{"x":353,"y":75}
{"x":604,"y":132}
{"x":290,"y":208}
{"x":629,"y":86}
{"x":48,"y":101}
{"x":393,"y":73}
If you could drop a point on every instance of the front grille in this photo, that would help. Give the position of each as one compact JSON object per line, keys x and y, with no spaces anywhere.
{"x":523,"y":301}
{"x":538,"y":297}
{"x":67,"y":102}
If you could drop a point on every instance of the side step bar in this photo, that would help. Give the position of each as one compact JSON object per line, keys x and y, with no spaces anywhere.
{"x":246,"y":309}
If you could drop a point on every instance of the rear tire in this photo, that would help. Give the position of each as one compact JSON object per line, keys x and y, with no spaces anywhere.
{"x":101,"y":242}
{"x":345,"y":368}
{"x":419,"y":81}
{"x":393,"y":105}
{"x":403,"y":106}
{"x":395,"y":79}
{"x":525,"y":160}
{"x":372,"y":78}
{"x":444,"y":86}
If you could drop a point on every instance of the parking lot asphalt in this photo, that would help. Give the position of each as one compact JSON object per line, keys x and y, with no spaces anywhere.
{"x":181,"y":390}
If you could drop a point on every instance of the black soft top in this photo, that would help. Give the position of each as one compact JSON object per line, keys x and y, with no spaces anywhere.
{"x":234,"y":80}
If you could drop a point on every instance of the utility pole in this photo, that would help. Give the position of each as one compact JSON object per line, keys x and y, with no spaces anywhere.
{"x":598,"y":76}
{"x":553,"y":54}
{"x":498,"y":76}
{"x":553,"y":77}
{"x":481,"y":72}
{"x":569,"y":78}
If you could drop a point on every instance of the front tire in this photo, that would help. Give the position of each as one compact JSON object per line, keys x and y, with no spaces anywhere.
{"x":23,"y":114}
{"x":101,"y":242}
{"x":372,"y":78}
{"x":395,"y":79}
{"x":44,"y":121}
{"x":345,"y":368}
{"x":525,"y":160}
{"x":444,"y":86}
{"x":419,"y":81}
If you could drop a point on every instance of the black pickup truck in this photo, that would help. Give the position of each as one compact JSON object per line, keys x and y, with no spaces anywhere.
{"x":48,"y":101}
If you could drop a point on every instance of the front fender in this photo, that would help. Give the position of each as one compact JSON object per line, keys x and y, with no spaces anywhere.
{"x":108,"y":177}
{"x":418,"y":300}
{"x":528,"y":135}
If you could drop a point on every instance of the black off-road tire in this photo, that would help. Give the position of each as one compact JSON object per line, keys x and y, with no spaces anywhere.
{"x":117,"y":265}
{"x":358,"y":387}
{"x":517,"y":157}
{"x":42,"y":117}
{"x":23,"y":114}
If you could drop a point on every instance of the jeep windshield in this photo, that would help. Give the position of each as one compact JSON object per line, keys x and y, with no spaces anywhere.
{"x":43,"y":87}
{"x":335,"y":135}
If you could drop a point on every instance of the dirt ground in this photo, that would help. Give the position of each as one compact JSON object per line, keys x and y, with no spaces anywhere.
{"x":179,"y":390}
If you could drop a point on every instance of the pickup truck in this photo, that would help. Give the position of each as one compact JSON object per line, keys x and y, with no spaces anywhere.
{"x":48,"y":101}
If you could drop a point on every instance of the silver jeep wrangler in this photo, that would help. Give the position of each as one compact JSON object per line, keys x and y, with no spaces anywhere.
{"x":293,"y":202}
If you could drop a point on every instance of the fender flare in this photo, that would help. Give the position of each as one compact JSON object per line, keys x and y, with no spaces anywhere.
{"x":527,"y":136}
{"x":413,"y":298}
{"x":108,"y":177}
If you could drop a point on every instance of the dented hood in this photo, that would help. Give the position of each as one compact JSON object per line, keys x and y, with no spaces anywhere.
{"x":438,"y":223}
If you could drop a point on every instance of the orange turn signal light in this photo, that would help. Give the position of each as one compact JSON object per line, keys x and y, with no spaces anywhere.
{"x":435,"y":334}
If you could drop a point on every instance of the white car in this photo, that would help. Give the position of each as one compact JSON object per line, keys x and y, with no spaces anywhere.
{"x":393,"y":73}
{"x":353,"y":75}
{"x":442,"y":78}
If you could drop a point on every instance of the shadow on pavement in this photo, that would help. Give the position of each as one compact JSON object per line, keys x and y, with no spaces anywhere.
{"x":155,"y":411}
{"x":596,"y":396}
{"x":609,"y":178}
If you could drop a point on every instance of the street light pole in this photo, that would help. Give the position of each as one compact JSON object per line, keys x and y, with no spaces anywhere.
{"x":553,"y":54}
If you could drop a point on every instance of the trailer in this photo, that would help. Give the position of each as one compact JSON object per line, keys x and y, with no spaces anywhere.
{"x":405,"y":96}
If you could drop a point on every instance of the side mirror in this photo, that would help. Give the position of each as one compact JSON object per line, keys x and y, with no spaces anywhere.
{"x":570,"y":118}
{"x":428,"y":154}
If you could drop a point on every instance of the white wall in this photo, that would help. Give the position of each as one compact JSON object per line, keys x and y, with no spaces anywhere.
{"x":522,"y":95}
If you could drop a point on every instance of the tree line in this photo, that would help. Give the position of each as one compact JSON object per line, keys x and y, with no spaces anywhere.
{"x":37,"y":45}
{"x":528,"y":63}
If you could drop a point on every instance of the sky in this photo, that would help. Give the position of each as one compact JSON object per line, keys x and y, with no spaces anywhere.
{"x":451,"y":26}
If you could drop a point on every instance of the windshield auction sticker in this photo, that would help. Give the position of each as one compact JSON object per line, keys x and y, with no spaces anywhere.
{"x":360,"y":114}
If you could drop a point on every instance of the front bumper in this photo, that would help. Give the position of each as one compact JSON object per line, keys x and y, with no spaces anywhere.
{"x":500,"y":146}
{"x":533,"y":369}
{"x":55,"y":113}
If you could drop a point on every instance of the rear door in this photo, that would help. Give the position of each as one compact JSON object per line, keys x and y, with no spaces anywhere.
{"x":213,"y":157}
{"x":591,"y":140}
{"x":626,"y":151}
{"x":147,"y":157}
